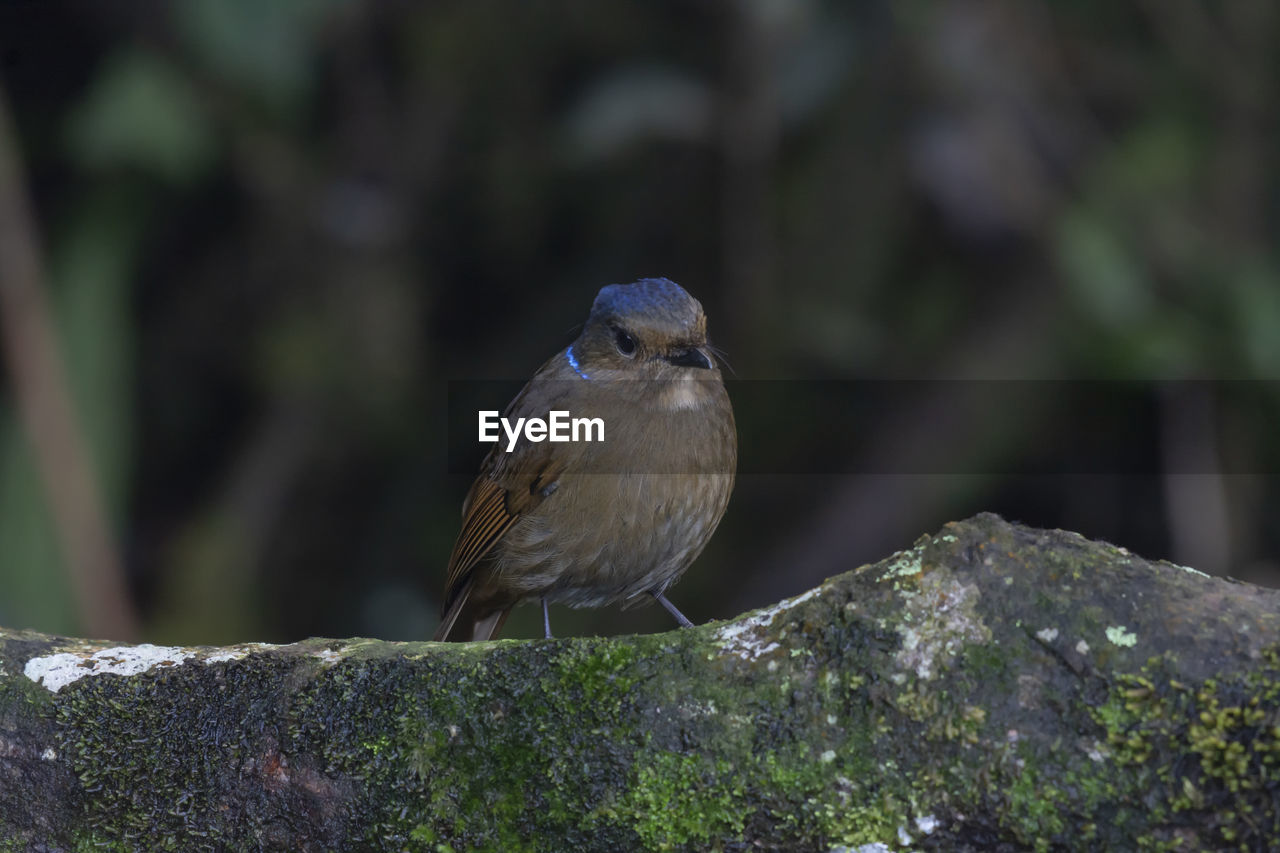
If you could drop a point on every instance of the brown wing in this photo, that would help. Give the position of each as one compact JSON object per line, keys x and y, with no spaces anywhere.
{"x":491,"y":508}
{"x":509,"y":485}
{"x":485,"y":518}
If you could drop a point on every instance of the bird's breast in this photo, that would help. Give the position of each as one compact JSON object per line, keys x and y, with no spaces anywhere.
{"x":610,"y":537}
{"x":631,"y":512}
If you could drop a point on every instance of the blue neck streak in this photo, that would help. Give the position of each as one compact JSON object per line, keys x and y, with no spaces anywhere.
{"x":573,"y":362}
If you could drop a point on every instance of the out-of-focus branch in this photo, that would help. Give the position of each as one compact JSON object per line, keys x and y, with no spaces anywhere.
{"x":47,"y":412}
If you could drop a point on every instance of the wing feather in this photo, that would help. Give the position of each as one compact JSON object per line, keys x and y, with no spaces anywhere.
{"x":484,"y":523}
{"x":509,"y":486}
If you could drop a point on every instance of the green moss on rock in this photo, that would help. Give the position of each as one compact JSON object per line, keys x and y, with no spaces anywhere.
{"x":962,"y":695}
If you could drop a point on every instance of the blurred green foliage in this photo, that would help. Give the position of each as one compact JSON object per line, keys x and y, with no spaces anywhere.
{"x":274,"y":231}
{"x":142,"y":113}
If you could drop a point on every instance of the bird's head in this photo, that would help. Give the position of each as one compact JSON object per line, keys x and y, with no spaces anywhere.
{"x":652,"y":329}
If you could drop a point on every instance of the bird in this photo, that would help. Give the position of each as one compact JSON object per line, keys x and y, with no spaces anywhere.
{"x":598,"y":523}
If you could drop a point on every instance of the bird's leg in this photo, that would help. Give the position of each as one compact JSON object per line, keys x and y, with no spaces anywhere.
{"x":546,"y":620}
{"x":671,"y":608}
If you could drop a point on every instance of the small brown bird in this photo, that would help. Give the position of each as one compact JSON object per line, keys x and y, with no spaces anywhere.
{"x":594,"y":523}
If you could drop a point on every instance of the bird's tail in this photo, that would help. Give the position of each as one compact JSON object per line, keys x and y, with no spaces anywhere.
{"x":463,"y":623}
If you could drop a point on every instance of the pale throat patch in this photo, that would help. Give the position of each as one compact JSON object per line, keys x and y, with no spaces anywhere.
{"x":681,"y":394}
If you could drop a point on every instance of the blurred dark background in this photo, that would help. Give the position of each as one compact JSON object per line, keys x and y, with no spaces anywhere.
{"x":271,"y":234}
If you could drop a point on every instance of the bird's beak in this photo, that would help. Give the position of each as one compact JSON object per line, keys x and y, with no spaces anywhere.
{"x":689,"y":357}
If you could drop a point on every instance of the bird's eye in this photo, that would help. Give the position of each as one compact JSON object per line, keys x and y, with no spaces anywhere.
{"x":624,"y":342}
